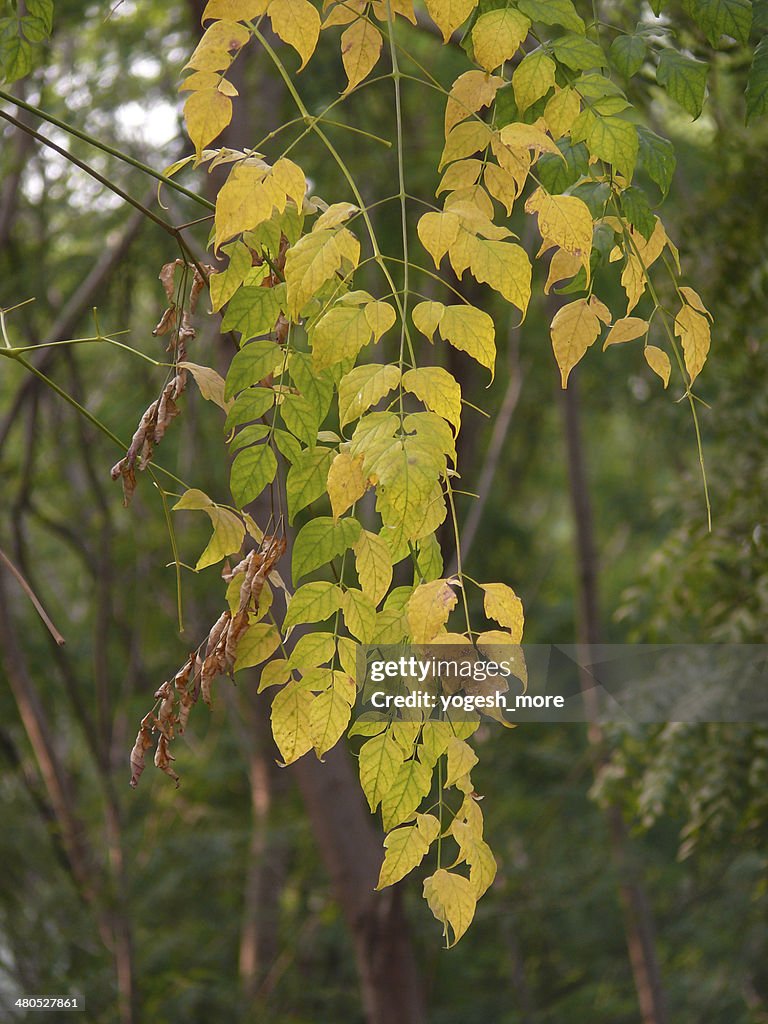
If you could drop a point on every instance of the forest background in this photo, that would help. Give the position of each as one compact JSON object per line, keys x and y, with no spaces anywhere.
{"x":229,"y":898}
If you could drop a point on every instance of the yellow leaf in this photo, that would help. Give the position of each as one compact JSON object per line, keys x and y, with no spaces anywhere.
{"x":449,"y":14}
{"x":469,"y":329}
{"x":502,"y":185}
{"x":402,"y":7}
{"x":409,"y":787}
{"x":346,"y":482}
{"x":228,"y":534}
{"x":461,"y":759}
{"x":438,"y":232}
{"x":219,"y":41}
{"x":359,"y":614}
{"x":207,"y":113}
{"x":477,"y":853}
{"x":406,"y":847}
{"x":564,"y":221}
{"x":502,"y":265}
{"x":336,"y":214}
{"x":290,"y":721}
{"x":258,"y":643}
{"x":344,"y":13}
{"x":298,"y":24}
{"x":533,"y":78}
{"x":428,"y":609}
{"x":329,"y":716}
{"x":574,"y":328}
{"x":374,"y":565}
{"x":245,"y":200}
{"x":207,"y":80}
{"x":426,"y":317}
{"x":234,"y":10}
{"x":360,"y":50}
{"x":694,"y":299}
{"x":600,"y":310}
{"x":503,"y":605}
{"x":465,"y":139}
{"x":339,"y":335}
{"x":561,"y":111}
{"x":496,"y":36}
{"x":290,"y":178}
{"x":438,"y":390}
{"x":692,"y":328}
{"x":314,"y":260}
{"x":224,"y":284}
{"x":472,"y":202}
{"x":452,"y":900}
{"x":524,"y":137}
{"x":626,"y":329}
{"x":380,"y":316}
{"x":380,"y":758}
{"x":562,"y":266}
{"x":462,"y":174}
{"x":469,"y":93}
{"x":658,"y":360}
{"x":363,"y":387}
{"x":211,"y":384}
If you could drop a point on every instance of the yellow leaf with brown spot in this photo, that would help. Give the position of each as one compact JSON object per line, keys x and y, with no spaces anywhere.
{"x":428,"y":609}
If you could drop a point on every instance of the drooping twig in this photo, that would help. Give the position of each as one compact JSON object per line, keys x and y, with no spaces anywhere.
{"x":33,"y":598}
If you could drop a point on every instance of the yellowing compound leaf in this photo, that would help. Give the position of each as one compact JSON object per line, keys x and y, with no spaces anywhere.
{"x":497,"y":35}
{"x":502,"y":185}
{"x":574,"y":328}
{"x":297,"y":23}
{"x":564,"y":221}
{"x":346,"y":482}
{"x":219,"y":42}
{"x":465,"y":139}
{"x":246,"y":199}
{"x":469,"y":329}
{"x":503,"y":605}
{"x":373,"y":562}
{"x":533,"y":78}
{"x":363,"y":387}
{"x":452,"y":900}
{"x":503,"y":265}
{"x":406,"y":847}
{"x":360,"y":50}
{"x":626,"y":329}
{"x":469,"y":93}
{"x":438,"y":390}
{"x":692,"y":328}
{"x":461,"y":760}
{"x":428,"y":609}
{"x":658,"y":360}
{"x":206,"y":113}
{"x":228,"y":529}
{"x":290,"y":721}
{"x":410,"y":785}
{"x":339,"y":335}
{"x":449,"y":14}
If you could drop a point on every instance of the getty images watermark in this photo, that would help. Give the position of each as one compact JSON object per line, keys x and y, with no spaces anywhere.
{"x":622,"y":683}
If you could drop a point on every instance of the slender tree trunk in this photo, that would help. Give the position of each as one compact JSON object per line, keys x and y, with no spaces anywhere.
{"x":638,"y":921}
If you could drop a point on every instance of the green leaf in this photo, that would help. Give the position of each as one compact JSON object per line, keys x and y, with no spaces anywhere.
{"x":627,"y":54}
{"x":251,"y":404}
{"x":314,"y":602}
{"x":359,"y":614}
{"x":757,"y":82}
{"x":253,"y":311}
{"x":614,"y":140}
{"x":252,"y":470}
{"x":16,"y":58}
{"x":684,"y":78}
{"x":578,"y":53}
{"x":321,"y":540}
{"x":557,"y":175}
{"x":595,"y":194}
{"x":316,"y":388}
{"x":635,"y":207}
{"x":553,"y":12}
{"x":656,"y":157}
{"x":252,"y":364}
{"x":307,"y":479}
{"x":723,"y":17}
